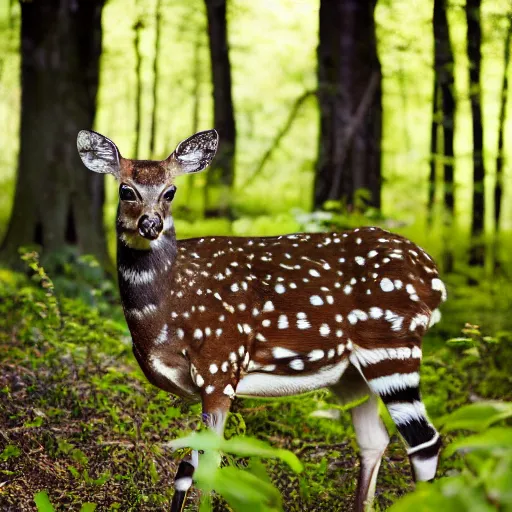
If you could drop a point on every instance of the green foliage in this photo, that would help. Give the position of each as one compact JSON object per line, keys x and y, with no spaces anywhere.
{"x":476,"y":417}
{"x":253,"y":490}
{"x":43,"y":503}
{"x":337,"y":216}
{"x":10,"y":451}
{"x":484,"y":482}
{"x":82,"y":422}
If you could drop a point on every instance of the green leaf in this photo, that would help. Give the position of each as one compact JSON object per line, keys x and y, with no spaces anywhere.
{"x":477,"y":416}
{"x":43,"y":503}
{"x":423,"y":499}
{"x":250,"y":494}
{"x":10,"y":451}
{"x":241,"y":446}
{"x":37,"y":422}
{"x":460,"y":342}
{"x":495,"y":440}
{"x":88,"y":507}
{"x":498,"y":482}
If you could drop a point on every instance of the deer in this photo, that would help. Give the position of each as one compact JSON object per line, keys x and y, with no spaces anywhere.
{"x":218,"y":317}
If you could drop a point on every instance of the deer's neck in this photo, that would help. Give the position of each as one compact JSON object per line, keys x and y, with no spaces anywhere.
{"x":144,"y":274}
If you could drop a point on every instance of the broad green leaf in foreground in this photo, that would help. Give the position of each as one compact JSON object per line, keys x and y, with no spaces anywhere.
{"x":242,"y":446}
{"x":448,"y":495}
{"x":496,"y":439}
{"x":477,"y":416}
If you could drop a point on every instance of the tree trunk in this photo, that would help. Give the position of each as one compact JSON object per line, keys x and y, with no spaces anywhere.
{"x":221,"y":175}
{"x":444,"y":65}
{"x":474,"y":41}
{"x":57,"y":200}
{"x":443,"y":121}
{"x":498,"y":188}
{"x":434,"y":148}
{"x":349,"y":94}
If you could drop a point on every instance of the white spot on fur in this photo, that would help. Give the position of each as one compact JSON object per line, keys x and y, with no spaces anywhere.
{"x":162,"y":335}
{"x":269,"y":306}
{"x":281,"y":353}
{"x":324,"y":330}
{"x":229,"y":391}
{"x":316,"y":355}
{"x":280,"y":288}
{"x":438,"y":285}
{"x":315,"y":300}
{"x":282,"y":322}
{"x":297,"y":364}
{"x":387,"y":285}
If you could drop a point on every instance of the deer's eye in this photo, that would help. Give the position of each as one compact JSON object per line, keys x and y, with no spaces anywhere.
{"x":127,"y":193}
{"x":169,"y":193}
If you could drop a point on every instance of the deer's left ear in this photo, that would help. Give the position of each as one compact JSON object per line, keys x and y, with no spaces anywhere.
{"x":98,"y":153}
{"x":195,"y":153}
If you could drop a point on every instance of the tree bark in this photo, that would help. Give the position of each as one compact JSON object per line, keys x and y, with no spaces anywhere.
{"x":474,"y":42}
{"x":349,"y":154}
{"x":444,"y":65}
{"x":221,"y":175}
{"x":57,"y":200}
{"x":434,"y":148}
{"x":443,"y":120}
{"x":498,"y":187}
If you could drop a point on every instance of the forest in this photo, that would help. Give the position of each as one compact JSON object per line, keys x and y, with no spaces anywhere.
{"x":332,"y":115}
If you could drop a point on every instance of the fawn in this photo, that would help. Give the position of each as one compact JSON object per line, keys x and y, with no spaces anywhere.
{"x":217,"y":317}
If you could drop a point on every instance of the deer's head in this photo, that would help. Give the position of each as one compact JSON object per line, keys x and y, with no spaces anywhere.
{"x":146,"y":187}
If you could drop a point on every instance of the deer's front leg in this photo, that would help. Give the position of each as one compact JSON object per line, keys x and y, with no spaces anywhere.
{"x":215,"y":410}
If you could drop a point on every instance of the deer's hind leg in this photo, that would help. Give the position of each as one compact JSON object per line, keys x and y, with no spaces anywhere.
{"x":371,"y":435}
{"x":396,"y":379}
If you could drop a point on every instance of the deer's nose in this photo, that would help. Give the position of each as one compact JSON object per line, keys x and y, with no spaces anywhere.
{"x":150,"y":226}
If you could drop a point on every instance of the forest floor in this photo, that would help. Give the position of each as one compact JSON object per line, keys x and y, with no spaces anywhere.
{"x":78,"y":419}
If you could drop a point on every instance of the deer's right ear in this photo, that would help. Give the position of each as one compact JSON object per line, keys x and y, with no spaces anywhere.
{"x":98,"y":153}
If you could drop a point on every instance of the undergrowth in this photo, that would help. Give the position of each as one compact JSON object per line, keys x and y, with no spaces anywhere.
{"x":80,"y":428}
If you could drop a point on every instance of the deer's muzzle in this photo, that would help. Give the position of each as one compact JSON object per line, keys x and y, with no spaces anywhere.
{"x":150,"y":227}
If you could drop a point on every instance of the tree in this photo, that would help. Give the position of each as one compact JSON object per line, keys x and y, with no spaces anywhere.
{"x":498,"y":187}
{"x":443,"y":122}
{"x":221,"y":176}
{"x":443,"y":116}
{"x":474,"y":42}
{"x":57,"y":200}
{"x":349,"y":95}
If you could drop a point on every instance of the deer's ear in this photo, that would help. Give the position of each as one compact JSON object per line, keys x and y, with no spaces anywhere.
{"x":98,"y":153}
{"x":196,"y":152}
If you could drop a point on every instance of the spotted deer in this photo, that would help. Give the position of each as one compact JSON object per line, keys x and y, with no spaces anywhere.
{"x":218,"y":317}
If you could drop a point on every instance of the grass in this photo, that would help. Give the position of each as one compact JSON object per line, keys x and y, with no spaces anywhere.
{"x":79,"y":421}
